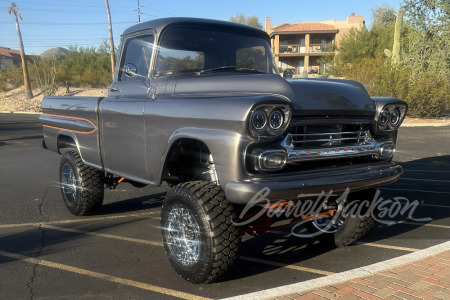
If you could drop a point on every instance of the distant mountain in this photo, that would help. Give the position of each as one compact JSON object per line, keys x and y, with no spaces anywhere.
{"x":55,"y":52}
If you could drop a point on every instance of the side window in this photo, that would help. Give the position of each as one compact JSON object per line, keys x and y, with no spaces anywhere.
{"x":251,"y":58}
{"x":138,"y":52}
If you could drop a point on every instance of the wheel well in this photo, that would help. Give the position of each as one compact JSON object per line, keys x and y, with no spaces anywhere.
{"x":188,"y":160}
{"x":65,"y":141}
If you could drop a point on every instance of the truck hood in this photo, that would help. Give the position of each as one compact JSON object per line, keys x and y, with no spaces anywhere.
{"x":307,"y":96}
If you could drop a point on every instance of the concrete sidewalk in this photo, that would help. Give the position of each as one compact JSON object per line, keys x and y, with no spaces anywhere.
{"x":428,"y":278}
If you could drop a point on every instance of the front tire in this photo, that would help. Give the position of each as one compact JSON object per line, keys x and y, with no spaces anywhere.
{"x":197,"y":230}
{"x":82,"y":187}
{"x":346,"y":231}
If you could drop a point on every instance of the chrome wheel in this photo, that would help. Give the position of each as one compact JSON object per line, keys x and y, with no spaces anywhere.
{"x":183,"y":235}
{"x":331,"y":224}
{"x":68,"y":183}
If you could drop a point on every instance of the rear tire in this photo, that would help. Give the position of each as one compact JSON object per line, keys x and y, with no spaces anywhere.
{"x":353,"y":229}
{"x":82,"y":187}
{"x":197,"y":230}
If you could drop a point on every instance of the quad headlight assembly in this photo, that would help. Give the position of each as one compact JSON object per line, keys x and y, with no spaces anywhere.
{"x":269,"y":120}
{"x":390,"y":114}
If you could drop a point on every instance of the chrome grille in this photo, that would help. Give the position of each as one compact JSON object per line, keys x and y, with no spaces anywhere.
{"x":329,"y":136}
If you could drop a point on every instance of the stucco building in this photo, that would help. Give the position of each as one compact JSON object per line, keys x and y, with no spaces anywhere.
{"x":299,"y":46}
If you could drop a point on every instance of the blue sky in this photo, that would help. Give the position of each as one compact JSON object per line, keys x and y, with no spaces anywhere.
{"x":53,"y":23}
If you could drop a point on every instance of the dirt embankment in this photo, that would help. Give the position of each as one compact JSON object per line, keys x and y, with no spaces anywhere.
{"x":15,"y":101}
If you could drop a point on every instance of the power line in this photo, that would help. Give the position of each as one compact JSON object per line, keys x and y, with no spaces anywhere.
{"x":47,"y":23}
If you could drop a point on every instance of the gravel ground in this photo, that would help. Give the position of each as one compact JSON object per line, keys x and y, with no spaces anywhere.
{"x":14,"y":101}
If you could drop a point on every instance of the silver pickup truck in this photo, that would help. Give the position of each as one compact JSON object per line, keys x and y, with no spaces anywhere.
{"x":200,"y":104}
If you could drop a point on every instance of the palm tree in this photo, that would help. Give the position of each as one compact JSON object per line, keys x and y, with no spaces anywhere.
{"x":14,"y":9}
{"x":111,"y":41}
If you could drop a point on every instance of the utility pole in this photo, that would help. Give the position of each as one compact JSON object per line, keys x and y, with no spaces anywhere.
{"x":139,"y":13}
{"x":111,"y":41}
{"x":14,"y":9}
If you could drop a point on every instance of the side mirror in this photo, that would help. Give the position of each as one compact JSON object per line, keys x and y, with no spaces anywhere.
{"x":130,"y":70}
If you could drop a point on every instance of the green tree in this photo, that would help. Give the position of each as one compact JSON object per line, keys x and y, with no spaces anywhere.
{"x":251,"y":20}
{"x":428,"y":44}
{"x":14,"y":9}
{"x":383,"y":15}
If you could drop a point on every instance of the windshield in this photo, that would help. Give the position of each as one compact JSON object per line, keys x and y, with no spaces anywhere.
{"x":201,"y":50}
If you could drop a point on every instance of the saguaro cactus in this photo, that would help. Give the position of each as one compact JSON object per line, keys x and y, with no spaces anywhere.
{"x":395,"y":58}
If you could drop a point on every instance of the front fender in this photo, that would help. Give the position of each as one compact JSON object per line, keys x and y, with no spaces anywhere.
{"x":227,"y":148}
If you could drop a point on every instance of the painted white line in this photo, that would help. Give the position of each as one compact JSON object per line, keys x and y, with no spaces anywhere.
{"x":387,"y":246}
{"x":136,"y":284}
{"x":418,"y":191}
{"x":86,"y":219}
{"x":424,"y":224}
{"x":425,"y":180}
{"x":336,"y":278}
{"x":426,"y":171}
{"x":429,"y":205}
{"x":159,"y":244}
{"x":103,"y":235}
{"x":423,"y":164}
{"x":281,"y":265}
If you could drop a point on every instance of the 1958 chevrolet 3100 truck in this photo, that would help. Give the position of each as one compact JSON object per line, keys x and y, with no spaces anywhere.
{"x":200,"y":104}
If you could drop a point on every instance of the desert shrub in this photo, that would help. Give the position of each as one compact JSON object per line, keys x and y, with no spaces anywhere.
{"x":3,"y":80}
{"x":45,"y":74}
{"x":15,"y":76}
{"x":86,"y":67}
{"x":427,"y":94}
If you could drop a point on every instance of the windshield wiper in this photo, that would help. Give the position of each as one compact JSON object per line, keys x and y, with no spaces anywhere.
{"x":215,"y":69}
{"x":251,"y":70}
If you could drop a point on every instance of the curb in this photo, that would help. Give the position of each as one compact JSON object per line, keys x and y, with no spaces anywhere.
{"x":21,"y":112}
{"x":305,"y":286}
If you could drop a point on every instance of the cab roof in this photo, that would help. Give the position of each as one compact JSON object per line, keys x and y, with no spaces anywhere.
{"x":160,"y":25}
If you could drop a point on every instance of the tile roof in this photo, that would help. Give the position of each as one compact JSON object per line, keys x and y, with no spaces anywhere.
{"x":300,"y":27}
{"x":11,"y":51}
{"x":4,"y":52}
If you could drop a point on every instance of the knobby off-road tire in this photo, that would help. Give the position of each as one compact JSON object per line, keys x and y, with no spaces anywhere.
{"x":82,"y":187}
{"x":197,"y":230}
{"x":355,"y":228}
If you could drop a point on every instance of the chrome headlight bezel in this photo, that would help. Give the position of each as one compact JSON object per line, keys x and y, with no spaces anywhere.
{"x":391,"y":117}
{"x":268,"y":130}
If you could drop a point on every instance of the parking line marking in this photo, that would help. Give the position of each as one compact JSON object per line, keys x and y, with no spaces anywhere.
{"x":428,"y":171}
{"x":152,"y":243}
{"x":426,"y":180}
{"x":387,"y":246}
{"x":77,"y":220}
{"x":425,"y":224}
{"x":421,"y":191}
{"x":277,"y":264}
{"x":132,"y":283}
{"x":103,"y":235}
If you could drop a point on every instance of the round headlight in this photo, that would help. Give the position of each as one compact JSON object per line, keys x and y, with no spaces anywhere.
{"x":259,"y":120}
{"x":384,"y":117}
{"x":395,"y":116}
{"x":276,"y":120}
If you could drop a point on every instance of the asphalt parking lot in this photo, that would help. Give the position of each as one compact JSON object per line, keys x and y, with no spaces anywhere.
{"x":47,"y":253}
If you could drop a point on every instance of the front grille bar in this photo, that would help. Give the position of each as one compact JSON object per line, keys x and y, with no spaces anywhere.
{"x":334,"y":138}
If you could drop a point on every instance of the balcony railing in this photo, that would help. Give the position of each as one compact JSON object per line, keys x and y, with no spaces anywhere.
{"x":301,"y":49}
{"x":292,"y":49}
{"x":315,"y":48}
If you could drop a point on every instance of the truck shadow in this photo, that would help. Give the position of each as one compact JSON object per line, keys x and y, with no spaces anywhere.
{"x":424,"y":180}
